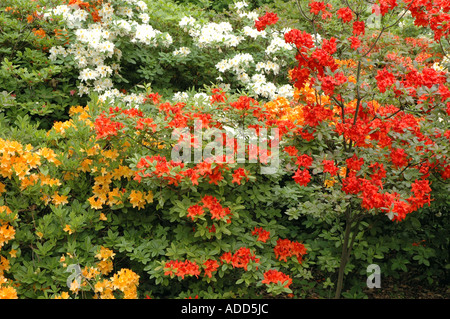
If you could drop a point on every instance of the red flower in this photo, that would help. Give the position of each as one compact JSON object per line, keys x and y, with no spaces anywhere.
{"x":421,"y":190}
{"x":195,"y":210}
{"x":286,"y":248}
{"x":209,"y":201}
{"x":244,"y":103}
{"x":275,"y":276}
{"x":218,"y":96}
{"x":329,"y":45}
{"x":181,"y":268}
{"x":215,"y":176}
{"x":263,"y":235}
{"x":144,"y":123}
{"x":345,"y":14}
{"x":301,"y":39}
{"x":304,"y":160}
{"x":355,"y":42}
{"x":226,"y":257}
{"x":316,"y":7}
{"x":268,"y":19}
{"x":210,"y":266}
{"x":302,"y":177}
{"x":291,"y":150}
{"x":400,"y":210}
{"x":351,"y":184}
{"x":387,"y":5}
{"x":354,"y":163}
{"x":238,"y":175}
{"x":358,"y":28}
{"x":329,"y":167}
{"x":155,"y":97}
{"x":398,"y":157}
{"x":105,"y":128}
{"x":384,"y":79}
{"x":242,"y":257}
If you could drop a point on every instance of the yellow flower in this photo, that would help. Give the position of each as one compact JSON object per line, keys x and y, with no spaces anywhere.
{"x":329,"y":182}
{"x":111,"y":154}
{"x":8,"y":293}
{"x":103,"y":217}
{"x":49,"y":155}
{"x":105,"y":253}
{"x":105,"y":289}
{"x":122,"y":171}
{"x":85,"y":165}
{"x":89,"y":272}
{"x":149,"y":197}
{"x":105,"y":266}
{"x":126,"y":280}
{"x":343,"y":171}
{"x":2,"y":188}
{"x":74,"y":286}
{"x":114,"y":197}
{"x":59,"y":199}
{"x":46,"y":199}
{"x":95,"y":204}
{"x":12,"y":253}
{"x":64,"y":295}
{"x":61,"y":127}
{"x":137,"y":199}
{"x":68,"y":229}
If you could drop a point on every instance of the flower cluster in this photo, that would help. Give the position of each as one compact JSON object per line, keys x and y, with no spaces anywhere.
{"x":268,"y":19}
{"x":263,"y":235}
{"x":181,"y":268}
{"x":211,"y":203}
{"x":286,"y":248}
{"x":240,"y":258}
{"x":276,"y":277}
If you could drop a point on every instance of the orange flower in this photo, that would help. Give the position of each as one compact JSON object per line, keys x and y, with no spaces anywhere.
{"x":59,"y":199}
{"x":68,"y":229}
{"x":275,"y":276}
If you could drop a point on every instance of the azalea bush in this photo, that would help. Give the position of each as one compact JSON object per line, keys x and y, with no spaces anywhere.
{"x":263,"y":158}
{"x":30,"y":84}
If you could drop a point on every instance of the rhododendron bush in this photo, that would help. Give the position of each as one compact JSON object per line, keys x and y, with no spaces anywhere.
{"x":272,"y":179}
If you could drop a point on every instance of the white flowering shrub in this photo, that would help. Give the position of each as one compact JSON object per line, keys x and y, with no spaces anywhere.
{"x":120,"y":46}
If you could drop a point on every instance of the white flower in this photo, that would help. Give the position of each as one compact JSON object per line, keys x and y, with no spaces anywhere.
{"x":180,"y":96}
{"x":241,"y":4}
{"x":183,"y":51}
{"x":243,"y":77}
{"x":142,"y":5}
{"x":82,"y":89}
{"x":286,"y":91}
{"x":103,"y":70}
{"x":187,"y":21}
{"x":106,"y":46}
{"x":144,"y":17}
{"x":223,"y":65}
{"x":253,"y":33}
{"x":88,"y":74}
{"x":145,"y":34}
{"x":276,"y":44}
